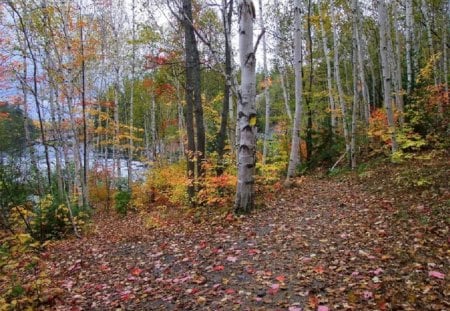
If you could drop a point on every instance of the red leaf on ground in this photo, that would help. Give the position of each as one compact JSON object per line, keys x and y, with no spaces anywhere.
{"x":280,"y":278}
{"x":230,"y":291}
{"x":319,"y":269}
{"x":218,"y":268}
{"x":136,"y":271}
{"x":274,"y":288}
{"x":253,"y":251}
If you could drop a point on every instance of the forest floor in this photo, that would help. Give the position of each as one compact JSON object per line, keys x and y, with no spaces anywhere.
{"x":375,"y":239}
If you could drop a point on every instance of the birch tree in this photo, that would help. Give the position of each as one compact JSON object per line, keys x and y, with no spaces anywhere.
{"x":246,"y":109}
{"x":409,"y":37}
{"x":386,"y":72}
{"x":337,"y":77}
{"x":294,"y":158}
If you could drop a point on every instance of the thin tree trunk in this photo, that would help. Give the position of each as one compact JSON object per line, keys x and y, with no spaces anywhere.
{"x":356,"y":82}
{"x":153,"y":126}
{"x":294,"y":158}
{"x":227,"y":11}
{"x":445,"y":54}
{"x":266,"y":86}
{"x":386,"y":72}
{"x":84,"y":187}
{"x":427,"y":21}
{"x":332,"y":105}
{"x":35,"y":88}
{"x":26,"y":124}
{"x":282,"y":65}
{"x":131,"y":114}
{"x":409,"y":38}
{"x":246,"y":109}
{"x":193,"y":102}
{"x":361,"y":74}
{"x":337,"y":77}
{"x":309,"y":142}
{"x":398,"y":67}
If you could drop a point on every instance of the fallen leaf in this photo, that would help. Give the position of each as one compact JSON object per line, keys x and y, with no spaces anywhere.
{"x":218,"y":268}
{"x":136,"y":271}
{"x":274,"y":288}
{"x":319,"y":269}
{"x":230,"y":291}
{"x":232,"y":258}
{"x":280,"y":278}
{"x":436,"y":274}
{"x":367,"y":295}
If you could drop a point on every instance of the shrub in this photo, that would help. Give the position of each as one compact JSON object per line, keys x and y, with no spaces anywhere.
{"x":122,"y":201}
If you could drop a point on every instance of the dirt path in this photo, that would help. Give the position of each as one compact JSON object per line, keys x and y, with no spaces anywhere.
{"x":323,"y":244}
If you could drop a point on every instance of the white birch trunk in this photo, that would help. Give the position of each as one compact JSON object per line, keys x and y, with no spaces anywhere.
{"x":246,"y":109}
{"x":153,"y":126}
{"x":362,"y":77}
{"x":282,"y":67}
{"x":133,"y":61}
{"x":337,"y":77}
{"x":294,"y":158}
{"x":409,"y":38}
{"x":386,"y":72}
{"x":398,"y":67}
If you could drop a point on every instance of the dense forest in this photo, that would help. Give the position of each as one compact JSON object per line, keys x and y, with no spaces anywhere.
{"x":129,"y":123}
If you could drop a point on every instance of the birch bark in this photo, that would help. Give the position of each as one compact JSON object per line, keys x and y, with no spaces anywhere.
{"x":386,"y":72}
{"x":294,"y":158}
{"x":246,"y":109}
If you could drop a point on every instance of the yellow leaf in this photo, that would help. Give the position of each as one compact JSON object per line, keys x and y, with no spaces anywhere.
{"x":252,"y":121}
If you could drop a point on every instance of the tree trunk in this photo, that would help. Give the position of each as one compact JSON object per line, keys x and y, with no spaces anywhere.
{"x":193,"y":101}
{"x":332,"y":105}
{"x":84,"y":187}
{"x":409,"y":38}
{"x":361,"y":74}
{"x":309,"y":142}
{"x":445,"y":54}
{"x":427,"y":21}
{"x":282,"y":65}
{"x":386,"y":72}
{"x":398,"y":67}
{"x":246,"y":109}
{"x":227,"y":12}
{"x":266,"y":86}
{"x":131,"y":114}
{"x":337,"y":76}
{"x":294,"y":158}
{"x":356,"y":82}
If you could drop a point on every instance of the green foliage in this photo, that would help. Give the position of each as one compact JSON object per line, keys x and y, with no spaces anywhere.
{"x":12,"y":130}
{"x":122,"y":200}
{"x":275,"y":167}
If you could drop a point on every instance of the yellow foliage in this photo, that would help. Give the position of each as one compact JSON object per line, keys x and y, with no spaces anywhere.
{"x":165,"y":183}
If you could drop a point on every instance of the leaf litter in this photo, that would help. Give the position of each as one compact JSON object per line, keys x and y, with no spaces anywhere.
{"x":328,"y":244}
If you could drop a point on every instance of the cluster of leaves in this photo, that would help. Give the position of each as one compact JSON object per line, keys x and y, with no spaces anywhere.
{"x":24,"y":285}
{"x":275,"y":167}
{"x":217,"y":191}
{"x":164,"y":185}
